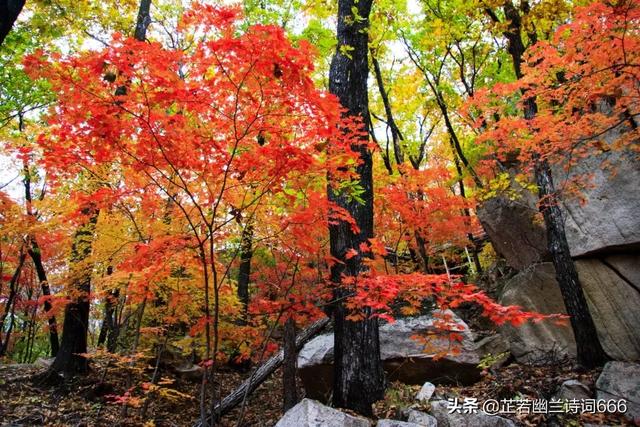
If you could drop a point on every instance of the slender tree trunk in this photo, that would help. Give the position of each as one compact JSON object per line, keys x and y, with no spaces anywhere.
{"x":289,"y":387}
{"x":9,"y":11}
{"x":10,"y":303}
{"x":358,"y":373}
{"x":244,"y":271}
{"x":36,"y":257}
{"x":109,"y":322}
{"x":589,"y":349}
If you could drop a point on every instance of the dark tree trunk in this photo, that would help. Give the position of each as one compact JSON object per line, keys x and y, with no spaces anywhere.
{"x":143,"y":21}
{"x":589,"y":349}
{"x":10,"y":303}
{"x":358,"y":374}
{"x":69,"y":360}
{"x":36,"y":257}
{"x":289,"y":387}
{"x":244,"y":271}
{"x":109,"y":323}
{"x":34,"y":253}
{"x":9,"y":11}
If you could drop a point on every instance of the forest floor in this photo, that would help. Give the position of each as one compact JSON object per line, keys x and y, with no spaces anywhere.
{"x":92,"y":401}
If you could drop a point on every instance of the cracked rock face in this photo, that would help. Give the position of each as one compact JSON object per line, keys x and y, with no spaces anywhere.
{"x":612,"y":289}
{"x":605,"y":222}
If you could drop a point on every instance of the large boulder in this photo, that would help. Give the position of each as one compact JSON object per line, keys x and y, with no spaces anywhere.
{"x":611,"y":285}
{"x":620,"y":380}
{"x":607,"y":220}
{"x":510,"y":222}
{"x":603,"y":221}
{"x":440,"y":410}
{"x":309,"y":413}
{"x":404,"y":358}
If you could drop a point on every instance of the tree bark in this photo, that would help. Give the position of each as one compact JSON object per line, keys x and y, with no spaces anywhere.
{"x":70,"y":360}
{"x":9,"y":11}
{"x":289,"y":386}
{"x":143,"y":21}
{"x":244,"y":270}
{"x":588,"y":347}
{"x":358,"y":373}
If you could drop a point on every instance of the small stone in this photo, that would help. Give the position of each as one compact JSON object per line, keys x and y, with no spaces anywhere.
{"x":573,"y":389}
{"x":422,"y":419}
{"x":426,"y":392}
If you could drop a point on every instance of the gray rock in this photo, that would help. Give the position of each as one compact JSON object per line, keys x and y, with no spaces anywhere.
{"x":573,"y":389}
{"x":440,"y":410}
{"x":396,"y":423}
{"x":605,"y":222}
{"x":44,"y":362}
{"x":426,"y":392}
{"x":189,"y":371}
{"x":621,"y":380}
{"x":309,"y":413}
{"x":422,"y":419}
{"x":608,"y":220}
{"x":511,"y":226}
{"x":404,"y":358}
{"x":496,"y":347}
{"x":611,"y":287}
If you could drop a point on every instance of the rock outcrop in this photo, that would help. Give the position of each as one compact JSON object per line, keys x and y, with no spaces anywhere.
{"x":309,"y":413}
{"x":612,"y":287}
{"x":511,"y":225}
{"x":404,"y":358}
{"x":605,"y":222}
{"x":621,"y":380}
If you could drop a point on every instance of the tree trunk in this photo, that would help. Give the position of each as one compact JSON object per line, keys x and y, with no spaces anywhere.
{"x":143,"y":20}
{"x":36,"y":256}
{"x":9,"y":11}
{"x":69,"y":360}
{"x":289,"y":387}
{"x":109,"y":323}
{"x":10,"y":303}
{"x":358,"y":374}
{"x":244,"y":271}
{"x":589,"y":349}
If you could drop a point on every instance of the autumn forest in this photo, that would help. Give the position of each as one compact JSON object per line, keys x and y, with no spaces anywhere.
{"x":319,"y":213}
